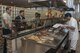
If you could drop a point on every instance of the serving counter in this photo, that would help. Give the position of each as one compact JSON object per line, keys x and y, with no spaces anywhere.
{"x":44,"y":39}
{"x":49,"y":42}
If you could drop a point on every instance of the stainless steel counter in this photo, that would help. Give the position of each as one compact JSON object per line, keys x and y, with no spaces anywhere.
{"x":32,"y":46}
{"x":20,"y":44}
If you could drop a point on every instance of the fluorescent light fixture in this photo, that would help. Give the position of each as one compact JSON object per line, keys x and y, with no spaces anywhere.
{"x":65,"y":1}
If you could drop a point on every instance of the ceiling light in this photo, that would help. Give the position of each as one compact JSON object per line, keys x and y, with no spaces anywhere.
{"x":64,"y":1}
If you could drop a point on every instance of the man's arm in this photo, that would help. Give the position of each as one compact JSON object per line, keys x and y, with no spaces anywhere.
{"x":5,"y":20}
{"x":70,"y":27}
{"x":7,"y":24}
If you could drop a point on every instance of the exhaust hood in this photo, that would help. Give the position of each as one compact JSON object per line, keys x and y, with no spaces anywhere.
{"x":36,"y":0}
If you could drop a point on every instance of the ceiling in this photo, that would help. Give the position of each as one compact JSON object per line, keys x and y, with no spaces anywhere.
{"x":76,"y":1}
{"x":24,"y":3}
{"x":19,"y":3}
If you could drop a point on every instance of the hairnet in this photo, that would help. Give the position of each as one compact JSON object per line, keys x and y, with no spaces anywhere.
{"x":68,"y":15}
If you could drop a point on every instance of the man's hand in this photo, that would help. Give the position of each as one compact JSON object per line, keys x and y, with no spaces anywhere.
{"x":10,"y":26}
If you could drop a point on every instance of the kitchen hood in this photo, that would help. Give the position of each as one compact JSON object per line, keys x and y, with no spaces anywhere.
{"x":36,"y":0}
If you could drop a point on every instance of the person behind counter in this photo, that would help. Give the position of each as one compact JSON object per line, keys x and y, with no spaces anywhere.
{"x":19,"y":19}
{"x":73,"y":32}
{"x":48,"y":15}
{"x":37,"y":21}
{"x":6,"y":27}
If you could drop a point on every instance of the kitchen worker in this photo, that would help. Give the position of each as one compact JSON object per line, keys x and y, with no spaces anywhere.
{"x":6,"y":28}
{"x":48,"y":15}
{"x":73,"y":32}
{"x":37,"y":21}
{"x":19,"y":20}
